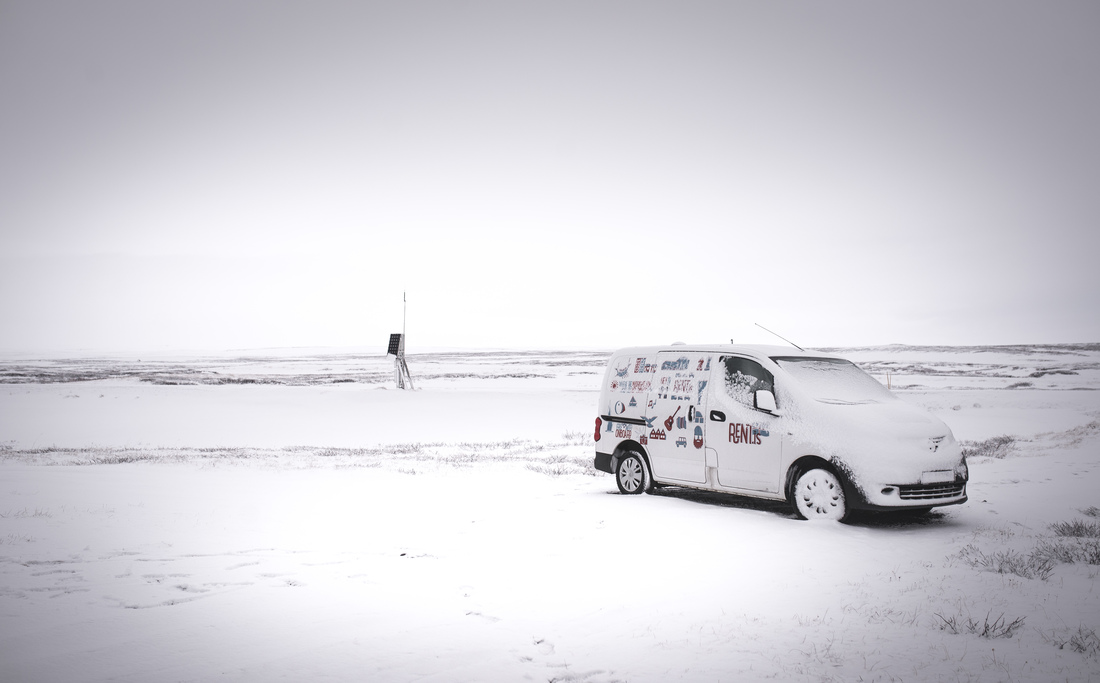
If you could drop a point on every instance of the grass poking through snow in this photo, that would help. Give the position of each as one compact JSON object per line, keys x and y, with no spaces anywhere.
{"x":1071,"y":551}
{"x":1073,"y":541}
{"x":1077,"y":529}
{"x":995,"y":447}
{"x":999,"y":627}
{"x":1030,"y":566}
{"x":570,"y":456}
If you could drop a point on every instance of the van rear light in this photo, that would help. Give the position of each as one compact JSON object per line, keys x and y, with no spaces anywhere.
{"x":599,"y":424}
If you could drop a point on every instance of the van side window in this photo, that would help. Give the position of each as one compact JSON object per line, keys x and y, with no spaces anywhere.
{"x":744,"y":377}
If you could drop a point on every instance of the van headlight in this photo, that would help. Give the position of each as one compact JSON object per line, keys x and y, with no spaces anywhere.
{"x":962,"y":470}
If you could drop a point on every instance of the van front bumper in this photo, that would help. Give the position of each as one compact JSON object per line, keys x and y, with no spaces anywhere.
{"x":908,"y":496}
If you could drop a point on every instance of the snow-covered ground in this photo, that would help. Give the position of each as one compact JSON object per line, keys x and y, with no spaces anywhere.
{"x":292,"y":516}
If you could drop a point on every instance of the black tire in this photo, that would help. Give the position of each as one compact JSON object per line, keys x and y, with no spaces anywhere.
{"x":632,"y":475}
{"x":818,"y":494}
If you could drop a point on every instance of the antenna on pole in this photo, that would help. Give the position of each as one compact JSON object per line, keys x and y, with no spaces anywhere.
{"x":397,"y":349}
{"x":781,"y":337}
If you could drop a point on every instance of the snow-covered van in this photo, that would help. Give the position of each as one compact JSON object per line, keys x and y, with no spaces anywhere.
{"x":769,"y":422}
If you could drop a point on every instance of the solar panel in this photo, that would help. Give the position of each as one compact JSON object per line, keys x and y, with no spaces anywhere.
{"x":395,"y":344}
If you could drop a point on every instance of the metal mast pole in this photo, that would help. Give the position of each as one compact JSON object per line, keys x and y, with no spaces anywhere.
{"x":406,"y":377}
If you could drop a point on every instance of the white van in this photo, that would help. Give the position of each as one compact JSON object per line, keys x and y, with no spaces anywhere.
{"x":769,"y":422}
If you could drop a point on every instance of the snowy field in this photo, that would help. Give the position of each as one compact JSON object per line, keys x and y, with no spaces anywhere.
{"x":291,"y":516}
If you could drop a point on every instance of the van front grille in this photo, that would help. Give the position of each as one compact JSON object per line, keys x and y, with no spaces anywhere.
{"x":931,"y":491}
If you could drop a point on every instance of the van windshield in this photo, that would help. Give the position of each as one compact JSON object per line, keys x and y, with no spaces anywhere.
{"x":833,"y":380}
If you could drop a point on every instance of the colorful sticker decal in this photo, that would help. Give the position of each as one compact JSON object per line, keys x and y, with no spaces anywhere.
{"x":649,"y":422}
{"x":622,"y":431}
{"x":681,"y":442}
{"x":671,"y":418}
{"x":682,"y":386}
{"x":680,"y":363}
{"x":633,"y":402}
{"x":699,"y":417}
{"x":622,"y":368}
{"x":620,"y":407}
{"x":698,"y":441}
{"x":641,"y":367}
{"x":643,"y":439}
{"x":657,"y":434}
{"x":745,"y":433}
{"x":681,"y":422}
{"x":702,"y":385}
{"x":632,"y":387}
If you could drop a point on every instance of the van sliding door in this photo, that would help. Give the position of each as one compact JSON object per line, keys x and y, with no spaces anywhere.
{"x":675,"y":414}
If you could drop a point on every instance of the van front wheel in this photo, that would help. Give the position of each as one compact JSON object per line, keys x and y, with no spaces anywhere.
{"x":818,"y":494}
{"x":632,"y":475}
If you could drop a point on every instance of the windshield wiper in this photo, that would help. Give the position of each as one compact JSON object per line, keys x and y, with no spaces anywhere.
{"x":842,"y":402}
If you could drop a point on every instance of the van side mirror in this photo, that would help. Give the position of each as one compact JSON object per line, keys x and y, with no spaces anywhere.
{"x":765,"y":400}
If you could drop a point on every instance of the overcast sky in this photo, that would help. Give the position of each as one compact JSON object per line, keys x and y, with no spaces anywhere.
{"x":213,"y":175}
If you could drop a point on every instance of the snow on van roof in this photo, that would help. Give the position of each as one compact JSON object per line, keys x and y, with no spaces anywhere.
{"x":759,"y":350}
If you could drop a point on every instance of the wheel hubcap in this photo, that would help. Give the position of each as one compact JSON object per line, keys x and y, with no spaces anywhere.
{"x":820,"y":496}
{"x":630,"y":474}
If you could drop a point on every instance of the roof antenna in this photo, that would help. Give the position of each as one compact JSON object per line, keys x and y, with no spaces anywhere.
{"x":781,"y":337}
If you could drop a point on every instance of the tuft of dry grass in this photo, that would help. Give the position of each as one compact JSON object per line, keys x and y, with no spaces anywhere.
{"x":1070,"y":551}
{"x":1083,"y":640}
{"x":12,"y":539}
{"x":1034,"y":565}
{"x":576,"y":437}
{"x":997,"y":628}
{"x":24,"y":513}
{"x":1076,"y":529}
{"x":995,"y":447}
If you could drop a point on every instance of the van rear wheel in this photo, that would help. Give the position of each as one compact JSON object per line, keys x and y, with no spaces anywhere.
{"x":818,"y":495}
{"x":632,"y":475}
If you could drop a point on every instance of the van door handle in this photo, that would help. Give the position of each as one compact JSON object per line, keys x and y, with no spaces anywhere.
{"x":717,"y":416}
